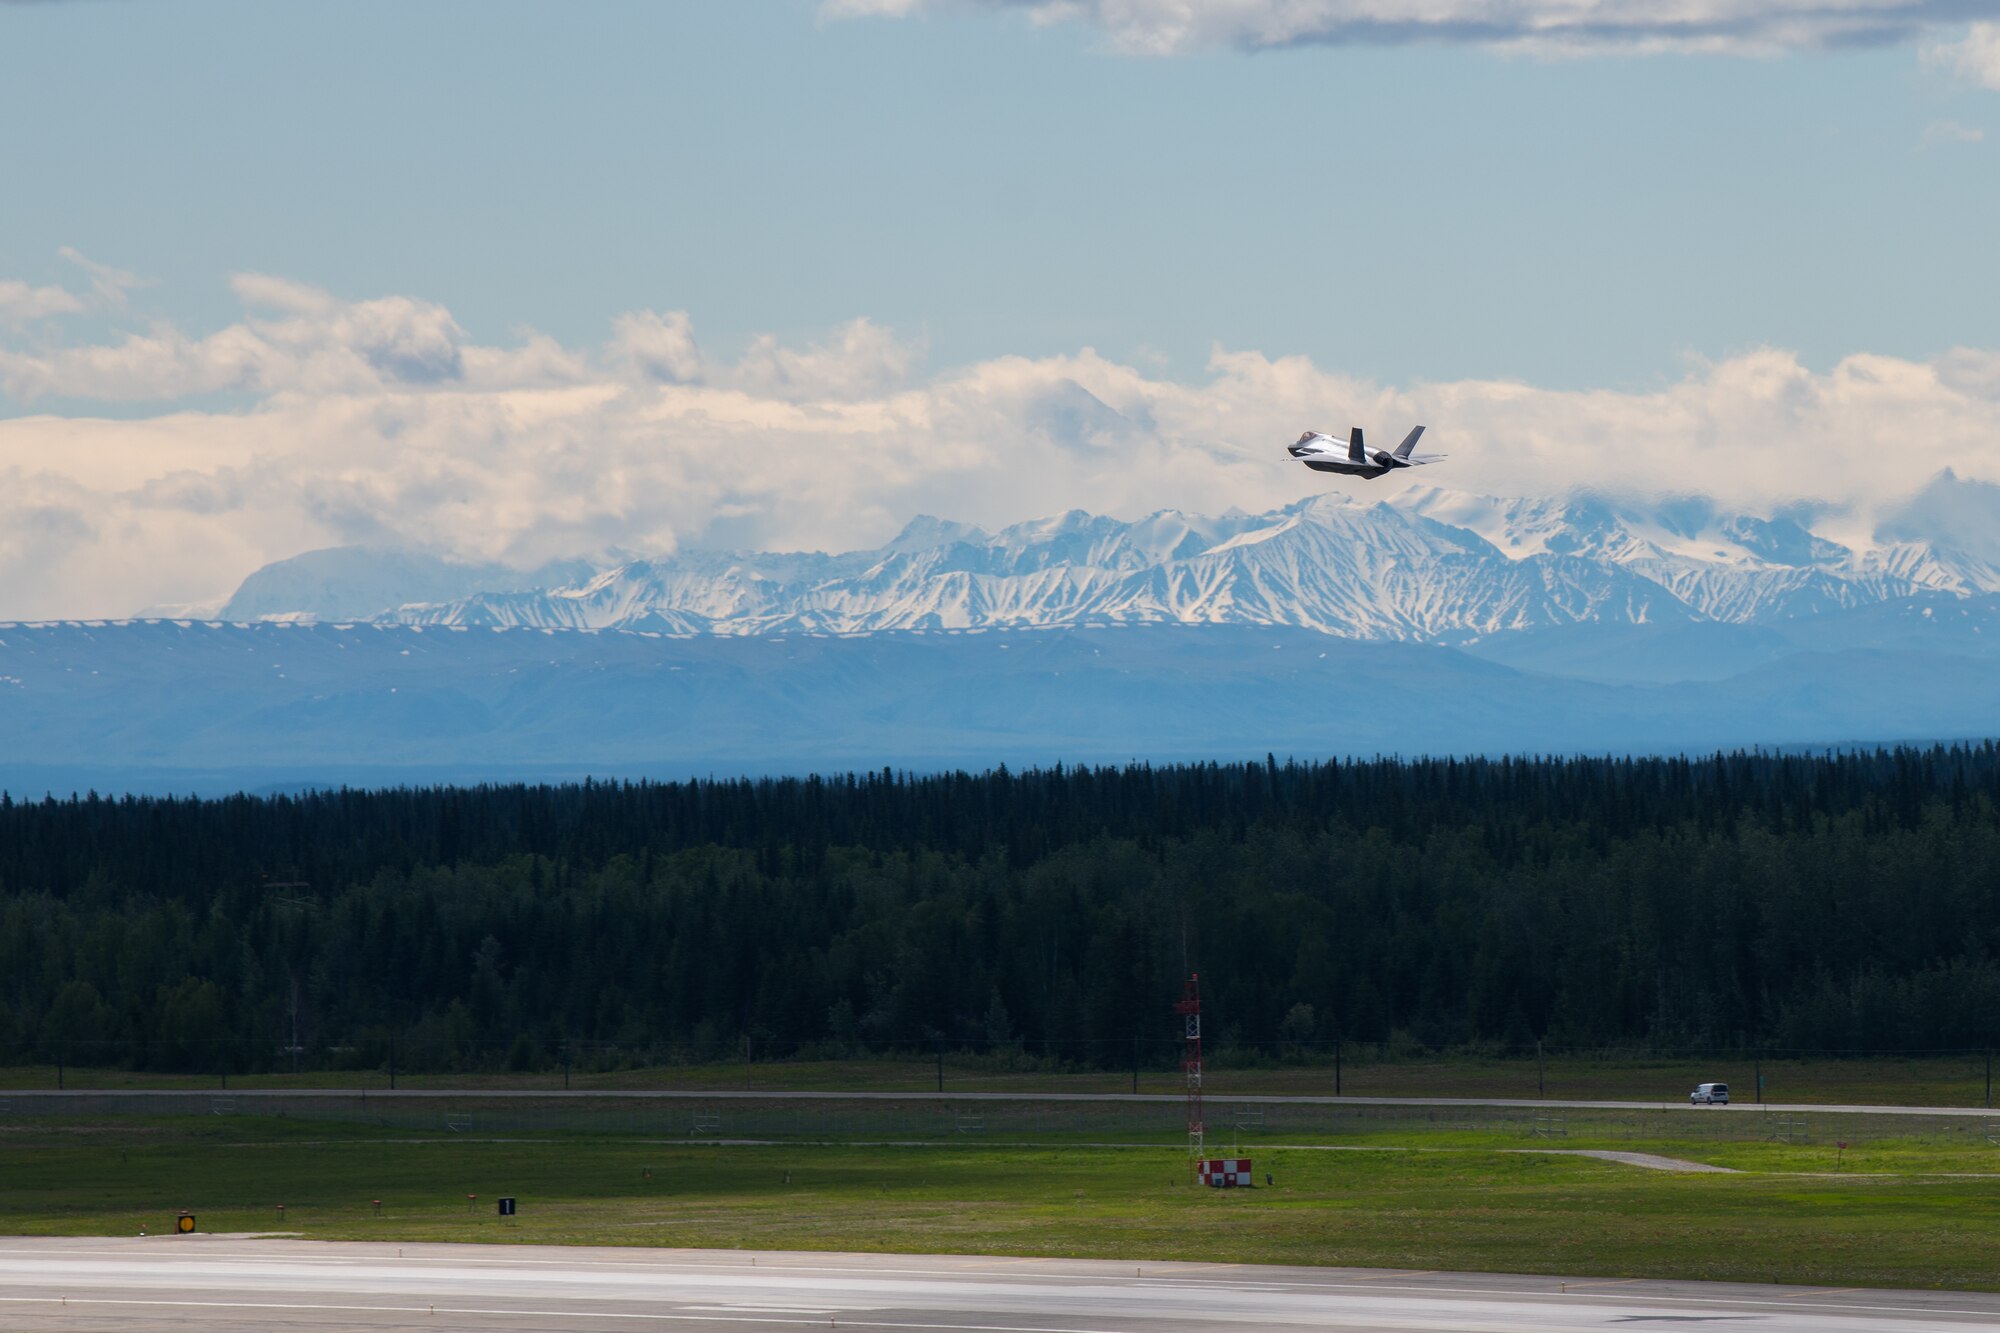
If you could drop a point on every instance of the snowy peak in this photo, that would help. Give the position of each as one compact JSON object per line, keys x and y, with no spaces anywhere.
{"x":1623,"y":530}
{"x":1423,"y":564}
{"x":1780,"y":541}
{"x":357,"y":582}
{"x":926,"y":532}
{"x":1951,"y":513}
{"x":1094,"y":541}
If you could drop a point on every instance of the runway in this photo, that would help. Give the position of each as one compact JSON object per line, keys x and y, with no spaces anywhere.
{"x":245,"y":1284}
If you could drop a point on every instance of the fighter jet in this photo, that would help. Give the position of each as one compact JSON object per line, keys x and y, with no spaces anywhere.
{"x":1322,"y":453}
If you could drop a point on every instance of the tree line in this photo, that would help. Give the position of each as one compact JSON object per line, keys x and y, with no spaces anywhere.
{"x":1842,"y":901}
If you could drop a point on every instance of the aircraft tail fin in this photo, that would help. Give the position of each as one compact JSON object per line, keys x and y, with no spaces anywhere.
{"x":1409,"y":443}
{"x":1355,"y":452}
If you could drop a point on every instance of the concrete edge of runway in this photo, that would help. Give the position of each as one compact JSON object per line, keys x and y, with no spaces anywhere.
{"x":28,"y":1261}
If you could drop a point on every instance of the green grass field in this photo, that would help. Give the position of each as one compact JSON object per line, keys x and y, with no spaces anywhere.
{"x":1900,"y":1213}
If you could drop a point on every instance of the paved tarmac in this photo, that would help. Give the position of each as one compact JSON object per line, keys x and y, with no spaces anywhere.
{"x":244,"y":1284}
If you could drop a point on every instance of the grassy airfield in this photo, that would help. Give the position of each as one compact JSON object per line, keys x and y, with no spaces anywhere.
{"x":1915,"y":1210}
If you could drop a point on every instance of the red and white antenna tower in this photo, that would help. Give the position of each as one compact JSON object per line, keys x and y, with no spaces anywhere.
{"x":1190,"y":1011}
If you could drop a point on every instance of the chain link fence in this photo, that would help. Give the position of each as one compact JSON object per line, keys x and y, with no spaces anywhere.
{"x":388,"y":1062}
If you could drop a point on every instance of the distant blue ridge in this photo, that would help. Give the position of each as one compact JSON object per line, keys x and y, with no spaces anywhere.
{"x":169,"y":707}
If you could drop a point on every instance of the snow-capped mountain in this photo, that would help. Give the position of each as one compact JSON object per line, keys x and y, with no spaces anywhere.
{"x":1427,"y":622}
{"x":1424,"y":564}
{"x":355,"y":582}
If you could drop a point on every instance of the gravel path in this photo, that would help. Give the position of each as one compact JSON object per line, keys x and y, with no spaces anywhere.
{"x":1651,"y":1161}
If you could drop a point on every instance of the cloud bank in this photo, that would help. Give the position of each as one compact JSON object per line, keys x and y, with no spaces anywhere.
{"x":1974,"y":57}
{"x":1735,"y":27}
{"x":380,"y":420}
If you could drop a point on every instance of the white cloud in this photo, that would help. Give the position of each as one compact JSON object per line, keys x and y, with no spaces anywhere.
{"x":659,"y":346}
{"x":107,"y":284}
{"x":21,"y":304}
{"x":261,"y":291}
{"x":1974,"y":57}
{"x":1170,"y":27}
{"x":379,"y":420}
{"x":310,"y":341}
{"x":1950,"y":131}
{"x":862,"y":360}
{"x":847,"y":9}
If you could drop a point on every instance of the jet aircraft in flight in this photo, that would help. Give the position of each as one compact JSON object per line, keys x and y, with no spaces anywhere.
{"x":1322,"y":453}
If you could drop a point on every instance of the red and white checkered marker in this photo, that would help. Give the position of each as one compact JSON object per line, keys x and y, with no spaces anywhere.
{"x":1225,"y":1172}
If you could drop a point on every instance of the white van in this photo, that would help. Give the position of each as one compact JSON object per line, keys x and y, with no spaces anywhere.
{"x":1710,"y":1094}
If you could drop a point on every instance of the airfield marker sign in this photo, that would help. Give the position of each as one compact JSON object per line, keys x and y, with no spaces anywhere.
{"x":1225,"y":1172}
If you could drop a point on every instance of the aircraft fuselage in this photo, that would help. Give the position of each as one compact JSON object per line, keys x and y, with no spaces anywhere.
{"x":1323,"y":453}
{"x":1370,"y":470}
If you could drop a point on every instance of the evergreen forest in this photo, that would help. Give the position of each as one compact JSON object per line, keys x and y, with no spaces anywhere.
{"x":1844,"y":902}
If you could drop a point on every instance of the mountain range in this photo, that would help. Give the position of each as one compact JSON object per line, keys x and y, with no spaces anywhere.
{"x":1428,"y":622}
{"x":1424,"y":565}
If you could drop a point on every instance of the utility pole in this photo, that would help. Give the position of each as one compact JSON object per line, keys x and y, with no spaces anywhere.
{"x":295,"y":1048}
{"x":1189,"y":1009}
{"x":306,"y":906}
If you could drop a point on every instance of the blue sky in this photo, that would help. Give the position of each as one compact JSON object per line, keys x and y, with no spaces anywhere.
{"x":1430,"y":211}
{"x":1612,"y":231}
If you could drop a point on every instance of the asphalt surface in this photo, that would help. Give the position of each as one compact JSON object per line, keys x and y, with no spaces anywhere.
{"x":240,"y":1283}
